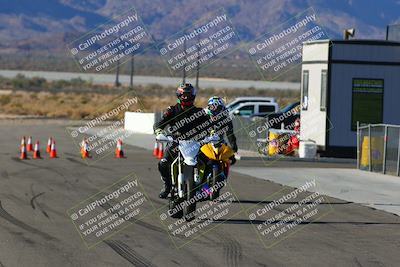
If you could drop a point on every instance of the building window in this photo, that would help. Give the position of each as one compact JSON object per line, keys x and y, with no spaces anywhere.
{"x":323,"y":89}
{"x":367,"y":101}
{"x":304,"y":90}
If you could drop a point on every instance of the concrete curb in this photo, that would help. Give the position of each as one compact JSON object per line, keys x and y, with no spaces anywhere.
{"x":283,"y":158}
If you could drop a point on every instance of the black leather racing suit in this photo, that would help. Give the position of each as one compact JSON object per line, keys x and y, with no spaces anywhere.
{"x":184,"y":124}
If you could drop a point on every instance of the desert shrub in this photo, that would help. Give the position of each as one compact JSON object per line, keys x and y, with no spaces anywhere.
{"x":5,"y":99}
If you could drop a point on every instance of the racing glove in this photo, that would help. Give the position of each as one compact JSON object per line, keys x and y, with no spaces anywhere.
{"x":234,"y":147}
{"x":158,"y":131}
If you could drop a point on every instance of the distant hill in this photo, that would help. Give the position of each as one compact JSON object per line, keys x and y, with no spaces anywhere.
{"x":46,"y":24}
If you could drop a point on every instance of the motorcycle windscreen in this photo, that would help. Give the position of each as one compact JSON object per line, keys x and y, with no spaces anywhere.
{"x":189,"y":150}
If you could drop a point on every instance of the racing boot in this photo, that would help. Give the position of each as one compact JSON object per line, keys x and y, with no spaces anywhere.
{"x":166,"y":189}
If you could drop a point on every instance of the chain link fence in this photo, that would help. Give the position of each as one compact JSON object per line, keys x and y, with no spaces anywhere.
{"x":378,"y":148}
{"x":250,"y":134}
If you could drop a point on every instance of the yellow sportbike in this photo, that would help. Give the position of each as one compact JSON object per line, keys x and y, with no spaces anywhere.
{"x":217,"y":159}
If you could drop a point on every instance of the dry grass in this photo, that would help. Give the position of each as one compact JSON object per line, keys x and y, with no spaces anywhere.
{"x":77,"y":106}
{"x":86,"y":103}
{"x":60,"y":105}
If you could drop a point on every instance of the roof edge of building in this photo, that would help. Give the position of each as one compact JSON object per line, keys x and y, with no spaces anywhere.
{"x":354,"y":41}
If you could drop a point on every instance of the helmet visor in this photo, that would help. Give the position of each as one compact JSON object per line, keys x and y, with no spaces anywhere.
{"x":215,"y":109}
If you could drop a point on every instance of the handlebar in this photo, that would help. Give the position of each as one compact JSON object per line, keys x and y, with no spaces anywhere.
{"x":208,"y":139}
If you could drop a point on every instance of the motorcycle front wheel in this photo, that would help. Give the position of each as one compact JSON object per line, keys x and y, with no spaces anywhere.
{"x":190,"y":208}
{"x":173,"y":201}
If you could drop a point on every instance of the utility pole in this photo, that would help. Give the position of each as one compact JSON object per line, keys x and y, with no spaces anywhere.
{"x":198,"y":63}
{"x":184,"y":66}
{"x":117,"y":75}
{"x":132,"y":71}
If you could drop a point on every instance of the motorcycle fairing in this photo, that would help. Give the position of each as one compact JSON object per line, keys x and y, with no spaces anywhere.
{"x":222,"y":153}
{"x":189,"y":150}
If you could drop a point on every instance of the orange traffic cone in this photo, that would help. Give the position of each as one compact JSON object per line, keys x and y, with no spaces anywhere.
{"x":36,"y":152}
{"x":49,"y":142}
{"x":82,"y":146}
{"x":22,"y":141}
{"x":23,"y":152}
{"x":29,"y":146}
{"x":160,"y":151}
{"x":84,"y":150}
{"x":118,"y":151}
{"x":53,"y":151}
{"x":156,"y":150}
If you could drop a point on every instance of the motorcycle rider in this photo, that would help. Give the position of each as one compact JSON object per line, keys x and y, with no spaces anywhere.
{"x":179,"y":121}
{"x":221,"y":122}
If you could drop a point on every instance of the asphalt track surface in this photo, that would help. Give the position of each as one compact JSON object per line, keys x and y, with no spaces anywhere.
{"x":36,"y":231}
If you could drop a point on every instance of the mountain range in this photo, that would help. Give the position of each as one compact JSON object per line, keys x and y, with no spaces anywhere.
{"x":47,"y":24}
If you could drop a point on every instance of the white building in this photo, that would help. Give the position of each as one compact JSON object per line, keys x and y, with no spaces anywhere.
{"x":346,"y":81}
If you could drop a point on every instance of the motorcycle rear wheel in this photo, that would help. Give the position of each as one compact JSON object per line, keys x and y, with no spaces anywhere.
{"x":215,"y":178}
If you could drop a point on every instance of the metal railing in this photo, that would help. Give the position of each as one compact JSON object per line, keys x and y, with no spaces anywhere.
{"x":378,"y":148}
